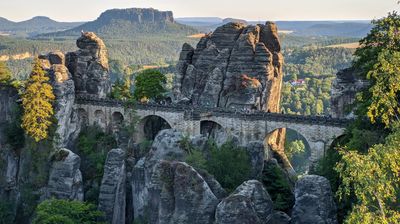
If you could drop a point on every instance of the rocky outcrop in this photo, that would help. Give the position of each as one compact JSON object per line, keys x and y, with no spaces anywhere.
{"x":89,"y":66}
{"x":8,"y":102}
{"x":64,"y":90}
{"x":278,"y":217}
{"x":314,"y":201}
{"x":256,"y":152}
{"x":237,"y":66}
{"x":137,"y":15}
{"x":112,"y":196}
{"x":343,"y":93}
{"x":180,"y":195}
{"x":249,"y":203}
{"x":65,"y":179}
{"x":166,"y":146}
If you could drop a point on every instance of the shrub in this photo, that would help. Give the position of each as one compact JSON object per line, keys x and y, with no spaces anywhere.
{"x":55,"y":211}
{"x":93,"y":146}
{"x":229,"y":164}
{"x":6,"y":213}
{"x":278,"y":186}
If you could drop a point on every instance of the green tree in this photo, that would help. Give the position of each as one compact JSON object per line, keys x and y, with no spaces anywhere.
{"x":378,"y":60}
{"x":37,"y":102}
{"x":294,"y":147}
{"x":374,"y":178}
{"x":229,"y":164}
{"x":122,"y":90}
{"x":66,"y":212}
{"x":149,"y":85}
{"x":5,"y":73}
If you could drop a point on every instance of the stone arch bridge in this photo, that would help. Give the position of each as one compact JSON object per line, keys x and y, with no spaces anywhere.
{"x":318,"y":131}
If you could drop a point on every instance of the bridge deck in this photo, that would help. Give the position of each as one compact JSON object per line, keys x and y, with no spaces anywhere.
{"x":226,"y":112}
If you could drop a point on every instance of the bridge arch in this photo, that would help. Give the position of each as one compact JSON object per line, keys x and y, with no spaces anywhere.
{"x":149,"y":126}
{"x":117,"y":119}
{"x":211,"y":128}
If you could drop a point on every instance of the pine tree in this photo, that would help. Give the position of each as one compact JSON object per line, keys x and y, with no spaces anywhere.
{"x":5,"y":73}
{"x":37,"y":103}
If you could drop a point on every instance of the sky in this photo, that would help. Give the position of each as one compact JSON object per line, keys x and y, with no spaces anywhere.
{"x":88,"y":10}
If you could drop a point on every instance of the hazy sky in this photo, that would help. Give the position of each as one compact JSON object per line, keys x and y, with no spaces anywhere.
{"x":86,"y":10}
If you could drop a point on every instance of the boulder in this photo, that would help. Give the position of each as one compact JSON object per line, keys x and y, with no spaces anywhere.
{"x":314,"y":201}
{"x":256,"y":153}
{"x":278,"y":217}
{"x":112,"y":196}
{"x":249,"y":203}
{"x":65,"y":179}
{"x":179,"y":194}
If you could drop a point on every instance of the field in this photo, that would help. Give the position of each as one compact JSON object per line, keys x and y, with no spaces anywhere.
{"x":347,"y":45}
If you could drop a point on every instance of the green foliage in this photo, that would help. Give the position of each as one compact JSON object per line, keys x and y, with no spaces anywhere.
{"x":6,"y":212}
{"x":196,"y":159}
{"x":5,"y":73}
{"x":229,"y":164}
{"x":37,"y":102}
{"x":378,"y":60}
{"x":293,"y":148}
{"x":374,"y":178}
{"x":278,"y":187}
{"x":149,"y":85}
{"x":66,"y":212}
{"x":122,"y":90}
{"x":93,"y":146}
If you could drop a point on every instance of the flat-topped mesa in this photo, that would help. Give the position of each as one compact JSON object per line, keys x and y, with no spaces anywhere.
{"x":137,"y":15}
{"x":236,"y":66}
{"x":89,"y":66}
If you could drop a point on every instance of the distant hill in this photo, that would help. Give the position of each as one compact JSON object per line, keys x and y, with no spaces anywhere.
{"x":299,"y":28}
{"x":36,"y":25}
{"x":128,"y":24}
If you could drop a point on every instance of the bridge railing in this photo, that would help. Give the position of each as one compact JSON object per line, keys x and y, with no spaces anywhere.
{"x":192,"y":112}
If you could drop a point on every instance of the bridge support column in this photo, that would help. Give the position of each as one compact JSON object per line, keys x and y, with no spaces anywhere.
{"x":317,"y":151}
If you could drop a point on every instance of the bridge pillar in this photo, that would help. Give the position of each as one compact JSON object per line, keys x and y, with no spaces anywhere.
{"x":317,"y":150}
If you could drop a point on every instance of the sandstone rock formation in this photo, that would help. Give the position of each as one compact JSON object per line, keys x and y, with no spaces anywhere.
{"x":235,"y":67}
{"x":112,"y":196}
{"x":65,"y":179}
{"x":343,"y":92}
{"x":165,"y":147}
{"x":314,"y":201}
{"x":8,"y":98}
{"x":249,"y":203}
{"x":278,"y":217}
{"x":64,"y":90}
{"x":256,"y":153}
{"x":89,"y":66}
{"x":178,"y":194}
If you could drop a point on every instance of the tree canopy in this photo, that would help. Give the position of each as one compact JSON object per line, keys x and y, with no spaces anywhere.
{"x":37,"y":102}
{"x":149,"y":85}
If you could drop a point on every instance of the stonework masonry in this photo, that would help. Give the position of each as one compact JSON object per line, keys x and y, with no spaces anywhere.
{"x":319,"y":132}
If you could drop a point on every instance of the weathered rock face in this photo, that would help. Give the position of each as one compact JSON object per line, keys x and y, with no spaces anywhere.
{"x":235,"y":67}
{"x":112,"y":196}
{"x":343,"y":92}
{"x":278,"y":217}
{"x":314,"y":201}
{"x":249,"y":203}
{"x":165,"y":147}
{"x":89,"y":66}
{"x":65,"y":179}
{"x":64,"y":90}
{"x":256,"y":153}
{"x":8,"y":98}
{"x":178,"y":194}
